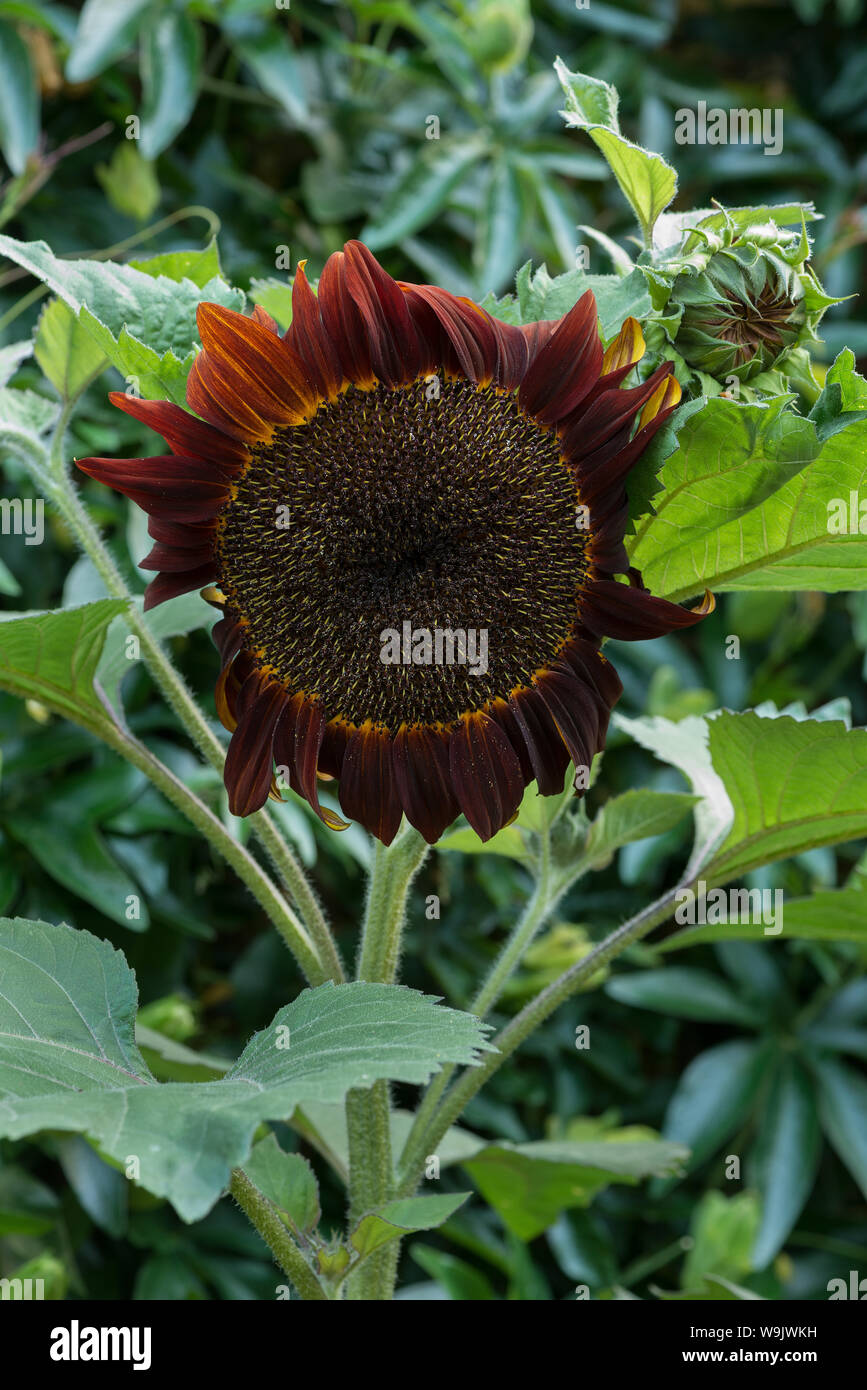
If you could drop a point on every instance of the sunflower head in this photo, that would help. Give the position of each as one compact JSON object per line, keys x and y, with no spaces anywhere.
{"x":410,"y":516}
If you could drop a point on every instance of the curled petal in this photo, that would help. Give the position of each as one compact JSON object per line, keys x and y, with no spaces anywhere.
{"x":619,"y":610}
{"x":247,"y":773}
{"x":308,"y":337}
{"x":394,"y":347}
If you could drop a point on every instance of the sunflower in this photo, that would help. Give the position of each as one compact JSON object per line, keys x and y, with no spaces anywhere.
{"x":413,"y":515}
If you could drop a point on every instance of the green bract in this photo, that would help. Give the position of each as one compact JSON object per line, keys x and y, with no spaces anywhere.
{"x":737,"y":303}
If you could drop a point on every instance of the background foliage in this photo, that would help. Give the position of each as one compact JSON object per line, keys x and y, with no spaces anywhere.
{"x":296,"y":130}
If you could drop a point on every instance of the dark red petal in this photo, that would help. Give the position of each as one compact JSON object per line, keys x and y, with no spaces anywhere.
{"x":183,"y":433}
{"x":262,"y":316}
{"x":307,"y":336}
{"x":173,"y":559}
{"x":247,"y":773}
{"x":575,"y":711}
{"x":181,"y":489}
{"x":545,"y":747}
{"x":460,"y":336}
{"x":167,"y":586}
{"x":344,"y":324}
{"x":567,"y":367}
{"x":394,"y":347}
{"x":537,"y":335}
{"x":486,"y":774}
{"x":423,"y":779}
{"x":503,"y":715}
{"x":264,"y":370}
{"x":512,"y":355}
{"x":216,"y":393}
{"x":299,"y":740}
{"x":368,"y":792}
{"x":618,"y":610}
{"x":598,"y":675}
{"x":607,"y":415}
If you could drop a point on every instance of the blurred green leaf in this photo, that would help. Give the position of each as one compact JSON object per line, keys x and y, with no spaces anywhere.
{"x":106,"y":30}
{"x":19,"y":100}
{"x":685,"y":993}
{"x":714,"y":1096}
{"x":843,"y":1108}
{"x":171,"y":54}
{"x":785,"y":1158}
{"x":423,"y":190}
{"x":530,"y":1184}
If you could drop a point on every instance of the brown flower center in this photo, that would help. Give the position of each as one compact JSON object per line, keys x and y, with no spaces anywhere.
{"x":408,"y":554}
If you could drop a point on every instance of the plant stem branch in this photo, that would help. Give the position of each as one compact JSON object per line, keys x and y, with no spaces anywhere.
{"x":264,"y":1217}
{"x":535,"y":1013}
{"x":368,"y":1112}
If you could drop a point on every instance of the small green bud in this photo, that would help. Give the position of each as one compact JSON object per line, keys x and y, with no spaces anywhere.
{"x":500,"y":34}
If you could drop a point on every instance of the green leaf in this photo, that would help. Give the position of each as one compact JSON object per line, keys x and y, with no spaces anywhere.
{"x":461,"y":1280}
{"x":275,"y":66}
{"x":634,"y":815}
{"x":396,"y":1219}
{"x":65,"y":350}
{"x":275,"y":297}
{"x":794,"y":784}
{"x":646,"y":180}
{"x":807,"y":534}
{"x":53,"y":657}
{"x":539,"y":296}
{"x":200,"y":266}
{"x":772,"y":785}
{"x":129,"y":182}
{"x":730,"y":459}
{"x":530,"y":1184}
{"x":174,"y":618}
{"x":145,"y":324}
{"x":831,"y":914}
{"x":843,"y":1109}
{"x":106,"y":30}
{"x":171,"y":55}
{"x":714,"y":1097}
{"x":68,"y":1061}
{"x":843,"y":398}
{"x":288,"y":1181}
{"x":19,"y":100}
{"x":324,"y":1126}
{"x":789,"y":1127}
{"x":723,"y":1230}
{"x":423,"y":190}
{"x":499,"y":227}
{"x":684,"y":993}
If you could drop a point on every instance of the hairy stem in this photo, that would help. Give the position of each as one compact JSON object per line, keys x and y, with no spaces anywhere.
{"x":368,"y":1112}
{"x":264,"y":1217}
{"x":531,"y":1017}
